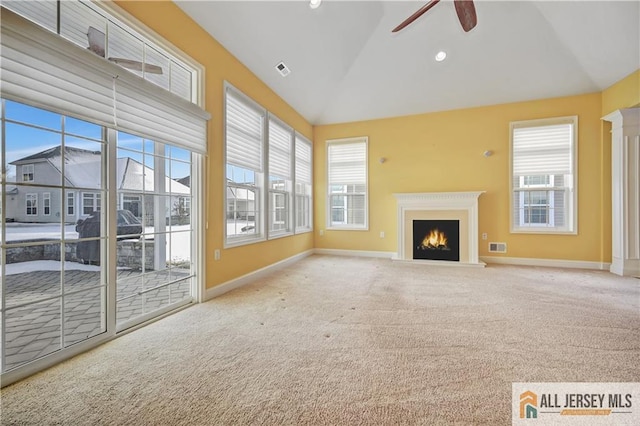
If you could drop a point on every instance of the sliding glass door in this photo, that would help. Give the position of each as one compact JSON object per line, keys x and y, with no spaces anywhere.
{"x":54,"y":278}
{"x":77,"y":259}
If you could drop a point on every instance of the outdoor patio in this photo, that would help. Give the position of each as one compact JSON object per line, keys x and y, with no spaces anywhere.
{"x":35,"y":330}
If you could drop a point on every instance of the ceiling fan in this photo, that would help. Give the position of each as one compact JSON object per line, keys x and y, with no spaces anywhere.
{"x":464,"y":8}
{"x":96,"y":45}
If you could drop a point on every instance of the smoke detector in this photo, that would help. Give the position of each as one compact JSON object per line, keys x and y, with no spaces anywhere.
{"x":283,"y":69}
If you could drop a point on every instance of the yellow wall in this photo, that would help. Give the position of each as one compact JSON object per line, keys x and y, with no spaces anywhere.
{"x":623,"y":94}
{"x":443,"y":151}
{"x":425,"y":153}
{"x":170,"y":22}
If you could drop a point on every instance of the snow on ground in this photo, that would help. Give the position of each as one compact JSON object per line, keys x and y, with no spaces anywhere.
{"x":25,"y":231}
{"x":46,"y":265}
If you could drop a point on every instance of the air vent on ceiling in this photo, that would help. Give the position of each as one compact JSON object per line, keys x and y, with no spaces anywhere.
{"x":283,"y":69}
{"x":498,"y":247}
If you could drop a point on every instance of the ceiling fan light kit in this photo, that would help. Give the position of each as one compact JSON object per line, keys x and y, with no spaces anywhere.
{"x":465,"y":10}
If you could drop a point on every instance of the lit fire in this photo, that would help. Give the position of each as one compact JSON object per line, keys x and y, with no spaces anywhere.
{"x":434,"y":240}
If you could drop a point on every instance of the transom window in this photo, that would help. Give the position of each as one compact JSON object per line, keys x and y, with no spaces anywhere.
{"x":543,"y":155}
{"x":90,"y":27}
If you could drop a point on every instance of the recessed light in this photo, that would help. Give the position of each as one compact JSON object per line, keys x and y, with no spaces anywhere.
{"x":314,"y":4}
{"x":440,"y":56}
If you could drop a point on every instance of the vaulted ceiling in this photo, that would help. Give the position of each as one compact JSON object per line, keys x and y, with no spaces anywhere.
{"x":346,"y":65}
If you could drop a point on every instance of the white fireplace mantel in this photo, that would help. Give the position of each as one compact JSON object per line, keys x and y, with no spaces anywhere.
{"x":464,"y":202}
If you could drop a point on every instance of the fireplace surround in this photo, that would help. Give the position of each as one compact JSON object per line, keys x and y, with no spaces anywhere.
{"x":439,"y":206}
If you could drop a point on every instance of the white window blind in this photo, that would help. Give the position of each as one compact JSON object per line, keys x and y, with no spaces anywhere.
{"x":542,"y":150}
{"x":43,"y":69}
{"x":280,"y":149}
{"x":244,"y":130}
{"x":347,"y":163}
{"x":303,"y":160}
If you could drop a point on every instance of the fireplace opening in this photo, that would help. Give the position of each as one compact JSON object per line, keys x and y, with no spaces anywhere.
{"x":436,"y":240}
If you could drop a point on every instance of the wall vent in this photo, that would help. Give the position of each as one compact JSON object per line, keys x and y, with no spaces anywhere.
{"x":283,"y":69}
{"x":497,"y":247}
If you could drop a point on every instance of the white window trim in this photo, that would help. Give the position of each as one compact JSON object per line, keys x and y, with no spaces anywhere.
{"x":198,"y":215}
{"x":329,"y":225}
{"x":28,"y":169}
{"x":46,"y":199}
{"x":261,"y":190}
{"x":71,"y":196}
{"x":262,"y":200}
{"x":279,"y":233}
{"x":301,"y":229}
{"x":571,"y":218}
{"x":143,"y":31}
{"x":34,"y":203}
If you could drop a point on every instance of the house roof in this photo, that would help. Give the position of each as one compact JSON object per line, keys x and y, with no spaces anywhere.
{"x":347,"y":65}
{"x":76,"y":154}
{"x":83,"y":169}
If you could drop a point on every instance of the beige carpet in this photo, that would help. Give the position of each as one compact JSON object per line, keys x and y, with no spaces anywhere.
{"x":347,"y":341}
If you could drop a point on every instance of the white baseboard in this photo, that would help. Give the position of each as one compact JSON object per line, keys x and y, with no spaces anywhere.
{"x":554,"y":263}
{"x":356,"y":253}
{"x":252,"y":276}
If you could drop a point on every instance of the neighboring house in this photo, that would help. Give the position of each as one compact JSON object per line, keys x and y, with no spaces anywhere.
{"x":82,"y":170}
{"x":242,"y":201}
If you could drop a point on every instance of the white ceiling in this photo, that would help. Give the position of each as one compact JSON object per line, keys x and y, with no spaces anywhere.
{"x":346,"y":65}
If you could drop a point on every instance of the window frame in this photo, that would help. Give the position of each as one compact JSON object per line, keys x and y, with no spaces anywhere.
{"x":286,"y":192}
{"x":71,"y":203}
{"x":46,"y":204}
{"x":33,"y":209}
{"x":330,"y":225}
{"x":108,"y":200}
{"x":96,"y":202}
{"x":308,"y":198}
{"x":259,"y":188}
{"x":569,"y":185}
{"x":24,"y":172}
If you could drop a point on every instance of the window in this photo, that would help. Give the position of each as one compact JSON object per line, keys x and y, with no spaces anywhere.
{"x":32,"y":204}
{"x":303,"y":184}
{"x":27,"y":173}
{"x":90,"y":203}
{"x":245,"y":134}
{"x":91,"y":27}
{"x":347,"y":183}
{"x":259,"y":201}
{"x":543,"y":156}
{"x":71,"y":120}
{"x":71,"y":201}
{"x":280,"y":178}
{"x":46,"y":203}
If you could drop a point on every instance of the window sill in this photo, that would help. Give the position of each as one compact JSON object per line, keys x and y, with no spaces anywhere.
{"x":347,"y":228}
{"x":276,"y":235}
{"x":303,"y":231}
{"x":242,"y":241}
{"x":547,"y":231}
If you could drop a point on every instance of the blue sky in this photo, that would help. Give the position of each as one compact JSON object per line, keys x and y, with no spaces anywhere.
{"x":22,"y":141}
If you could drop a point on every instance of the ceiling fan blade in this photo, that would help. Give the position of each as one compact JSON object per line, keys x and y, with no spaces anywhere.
{"x":137,"y":65}
{"x":416,"y":15}
{"x":466,"y":14}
